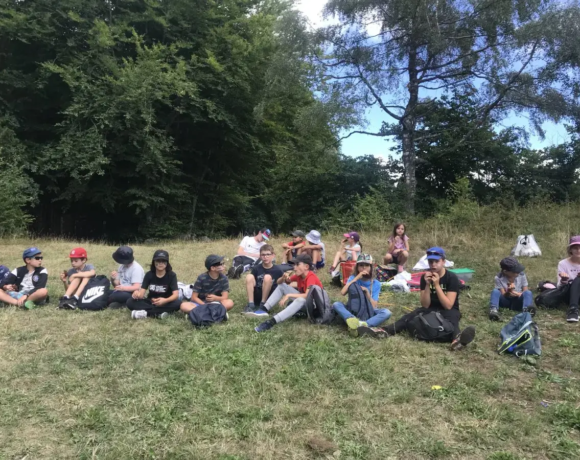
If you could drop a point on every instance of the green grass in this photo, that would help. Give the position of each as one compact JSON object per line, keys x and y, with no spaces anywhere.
{"x":100,"y":385}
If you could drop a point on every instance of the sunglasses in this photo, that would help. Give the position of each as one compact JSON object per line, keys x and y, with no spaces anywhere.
{"x":160,"y":261}
{"x":218,"y":265}
{"x":434,"y":253}
{"x":38,"y":258}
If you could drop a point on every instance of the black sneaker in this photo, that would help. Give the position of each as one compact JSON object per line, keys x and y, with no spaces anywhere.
{"x":464,"y":338}
{"x":572,"y":316}
{"x":375,"y":332}
{"x":266,"y":325}
{"x":62,"y":302}
{"x":249,"y":308}
{"x":70,"y":304}
{"x":238,"y":272}
{"x":231,"y":273}
{"x":494,"y":314}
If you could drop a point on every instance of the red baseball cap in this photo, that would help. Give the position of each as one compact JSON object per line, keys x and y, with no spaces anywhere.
{"x":78,"y":253}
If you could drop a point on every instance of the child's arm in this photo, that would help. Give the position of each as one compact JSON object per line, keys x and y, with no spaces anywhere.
{"x":88,"y":274}
{"x":132,"y":288}
{"x":407,"y":244}
{"x":299,"y":245}
{"x":218,"y":298}
{"x":139,"y":294}
{"x":195,"y":298}
{"x":160,"y":301}
{"x":391,"y":245}
{"x":64,"y":279}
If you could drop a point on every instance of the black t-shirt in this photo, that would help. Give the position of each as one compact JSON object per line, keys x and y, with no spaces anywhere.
{"x":259,"y":272}
{"x":205,"y":285}
{"x":449,"y":283}
{"x":160,"y":287}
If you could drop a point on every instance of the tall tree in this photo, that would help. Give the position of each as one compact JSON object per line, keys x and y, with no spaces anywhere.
{"x":513,"y":55}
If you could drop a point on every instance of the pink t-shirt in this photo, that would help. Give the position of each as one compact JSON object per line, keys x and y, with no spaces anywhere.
{"x":399,"y":243}
{"x":568,"y":267}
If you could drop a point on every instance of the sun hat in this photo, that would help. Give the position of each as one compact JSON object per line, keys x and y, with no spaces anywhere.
{"x":435,"y":253}
{"x":78,"y":253}
{"x":511,"y":264}
{"x":123,"y":255}
{"x":354,"y":235}
{"x":212,"y":260}
{"x":313,"y":237}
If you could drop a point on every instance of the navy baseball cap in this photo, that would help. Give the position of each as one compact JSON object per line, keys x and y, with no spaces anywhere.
{"x":160,"y":254}
{"x":30,"y":252}
{"x":212,"y":260}
{"x":435,"y":253}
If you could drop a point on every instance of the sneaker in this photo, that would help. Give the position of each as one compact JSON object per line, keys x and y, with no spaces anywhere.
{"x":464,"y":338}
{"x":266,"y":325}
{"x":227,"y":318}
{"x":138,"y":314}
{"x":238,"y":272}
{"x":375,"y":332}
{"x":62,"y":301}
{"x":68,"y":304}
{"x":249,"y":308}
{"x":29,"y":305}
{"x":353,"y":324}
{"x":164,"y":315}
{"x":300,"y":315}
{"x":257,"y":313}
{"x":531,"y":310}
{"x":334,"y":273}
{"x":494,"y":314}
{"x":116,"y":305}
{"x":572,"y":316}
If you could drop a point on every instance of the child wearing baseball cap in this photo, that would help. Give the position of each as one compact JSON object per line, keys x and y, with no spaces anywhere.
{"x":292,"y":249}
{"x":76,"y":278}
{"x":350,"y":248}
{"x":26,"y":286}
{"x":511,"y":289}
{"x":568,"y":270}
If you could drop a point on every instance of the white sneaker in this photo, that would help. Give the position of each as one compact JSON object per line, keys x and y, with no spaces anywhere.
{"x":164,"y":315}
{"x":335,"y":273}
{"x":138,"y":314}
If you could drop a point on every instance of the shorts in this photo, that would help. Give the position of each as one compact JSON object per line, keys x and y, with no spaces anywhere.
{"x":16,"y":295}
{"x":395,"y":258}
{"x":320,"y":264}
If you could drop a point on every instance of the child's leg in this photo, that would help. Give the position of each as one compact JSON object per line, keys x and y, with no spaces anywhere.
{"x":81,"y":288}
{"x":38,"y":295}
{"x":277,"y":295}
{"x":290,"y":310}
{"x":228,"y":303}
{"x":250,"y":285}
{"x":337,"y":258}
{"x":388,"y":258}
{"x":267,"y":287}
{"x":402,"y":258}
{"x":185,"y":307}
{"x":6,"y":298}
{"x":315,"y":254}
{"x":73,"y":287}
{"x":381,"y":315}
{"x":341,"y":310}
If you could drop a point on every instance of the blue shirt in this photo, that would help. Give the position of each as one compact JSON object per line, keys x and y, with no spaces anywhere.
{"x":375,"y":291}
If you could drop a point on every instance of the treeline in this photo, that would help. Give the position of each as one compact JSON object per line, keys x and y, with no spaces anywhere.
{"x":128,"y":119}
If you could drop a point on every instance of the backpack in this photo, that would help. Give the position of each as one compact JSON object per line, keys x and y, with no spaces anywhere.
{"x":526,"y":246}
{"x":207,"y":314}
{"x":385,"y":273}
{"x":95,"y":294}
{"x":520,"y":336}
{"x":185,"y":291}
{"x":431,"y":327}
{"x":4,"y":271}
{"x":553,"y":298}
{"x":545,"y":286}
{"x":358,"y":303}
{"x":318,"y":306}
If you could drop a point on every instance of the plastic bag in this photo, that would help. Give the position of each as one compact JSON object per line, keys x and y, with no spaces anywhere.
{"x":526,"y":246}
{"x":424,"y":265}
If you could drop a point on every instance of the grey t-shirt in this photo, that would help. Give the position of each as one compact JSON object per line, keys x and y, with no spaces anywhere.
{"x":501,"y":282}
{"x":87,"y":268}
{"x":128,"y":275}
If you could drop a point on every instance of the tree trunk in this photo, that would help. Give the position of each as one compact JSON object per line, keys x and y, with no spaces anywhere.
{"x":409,"y":123}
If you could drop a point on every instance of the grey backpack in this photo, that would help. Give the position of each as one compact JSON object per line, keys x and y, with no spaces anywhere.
{"x":520,"y":336}
{"x":318,"y":306}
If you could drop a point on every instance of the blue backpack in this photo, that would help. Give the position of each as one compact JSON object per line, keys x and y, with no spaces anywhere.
{"x":520,"y":336}
{"x":207,"y":314}
{"x":358,"y":303}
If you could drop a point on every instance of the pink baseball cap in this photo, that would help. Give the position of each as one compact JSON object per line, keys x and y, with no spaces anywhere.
{"x":574,"y":241}
{"x":354,"y":235}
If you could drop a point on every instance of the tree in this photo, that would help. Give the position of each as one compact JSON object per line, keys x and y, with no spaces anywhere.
{"x":513,"y":55}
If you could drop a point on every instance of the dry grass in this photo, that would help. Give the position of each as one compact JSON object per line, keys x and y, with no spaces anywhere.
{"x":99,"y":385}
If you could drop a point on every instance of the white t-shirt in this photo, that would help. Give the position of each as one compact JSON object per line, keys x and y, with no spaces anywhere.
{"x":349,"y":250}
{"x":572,"y":270}
{"x":322,"y":251}
{"x":129,"y":275}
{"x":251,"y":246}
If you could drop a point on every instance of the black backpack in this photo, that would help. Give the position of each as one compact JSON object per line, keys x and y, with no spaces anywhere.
{"x":431,"y":327}
{"x":358,"y":303}
{"x":318,"y":306}
{"x":207,"y":314}
{"x":553,"y":298}
{"x":96,"y":293}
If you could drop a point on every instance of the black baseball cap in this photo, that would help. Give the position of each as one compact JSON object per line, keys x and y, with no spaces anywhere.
{"x":160,"y":254}
{"x":123,"y":255}
{"x":304,"y":258}
{"x":212,"y":260}
{"x":298,"y":233}
{"x":511,"y":264}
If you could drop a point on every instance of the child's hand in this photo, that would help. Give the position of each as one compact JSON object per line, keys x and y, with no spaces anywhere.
{"x":22,"y":300}
{"x":10,"y":287}
{"x":564,"y":277}
{"x":211,"y":298}
{"x":63,"y":276}
{"x":137,"y":295}
{"x":283,"y":301}
{"x":435,"y":278}
{"x":159,"y":301}
{"x":428,"y":277}
{"x":114,"y":274}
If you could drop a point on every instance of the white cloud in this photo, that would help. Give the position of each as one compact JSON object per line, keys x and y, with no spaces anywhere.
{"x":313,"y":10}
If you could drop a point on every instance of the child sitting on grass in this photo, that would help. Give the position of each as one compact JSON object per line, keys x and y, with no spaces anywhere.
{"x":75,"y":279}
{"x":127,"y":279}
{"x":398,"y":251}
{"x":350,"y":248}
{"x":315,"y":249}
{"x":568,"y":270}
{"x":26,"y":285}
{"x":371,"y":288}
{"x":511,"y":290}
{"x":260,"y":283}
{"x":293,"y":248}
{"x":211,"y":286}
{"x":163,"y":297}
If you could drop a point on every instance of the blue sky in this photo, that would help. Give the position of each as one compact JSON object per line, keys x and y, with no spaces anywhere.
{"x":360,"y":144}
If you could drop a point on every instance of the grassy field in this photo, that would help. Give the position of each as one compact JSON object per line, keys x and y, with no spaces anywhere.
{"x":100,"y":385}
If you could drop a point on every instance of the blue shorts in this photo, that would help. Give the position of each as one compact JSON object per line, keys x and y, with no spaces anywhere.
{"x":320,"y":264}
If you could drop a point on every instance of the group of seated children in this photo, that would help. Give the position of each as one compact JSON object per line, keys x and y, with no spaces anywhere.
{"x":156,"y":292}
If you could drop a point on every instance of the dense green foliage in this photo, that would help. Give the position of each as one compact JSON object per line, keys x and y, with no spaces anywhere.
{"x":146,"y":118}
